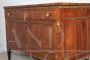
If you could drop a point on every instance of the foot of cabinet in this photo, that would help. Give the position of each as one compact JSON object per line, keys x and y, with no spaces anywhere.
{"x":9,"y":54}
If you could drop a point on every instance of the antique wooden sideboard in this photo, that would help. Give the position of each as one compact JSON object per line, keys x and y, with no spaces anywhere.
{"x":55,"y":31}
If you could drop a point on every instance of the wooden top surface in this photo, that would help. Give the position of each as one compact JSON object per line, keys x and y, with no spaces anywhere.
{"x":50,"y":4}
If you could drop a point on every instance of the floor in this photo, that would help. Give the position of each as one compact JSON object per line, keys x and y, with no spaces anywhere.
{"x":3,"y":56}
{"x":15,"y":56}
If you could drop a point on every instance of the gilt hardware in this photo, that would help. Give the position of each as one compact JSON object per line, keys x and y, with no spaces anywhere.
{"x":64,"y":6}
{"x":76,"y":18}
{"x":47,"y":14}
{"x":71,"y":6}
{"x":8,"y":14}
{"x":57,"y":25}
{"x":25,"y":15}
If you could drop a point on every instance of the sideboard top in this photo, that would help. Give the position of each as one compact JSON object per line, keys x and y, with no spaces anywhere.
{"x":50,"y":5}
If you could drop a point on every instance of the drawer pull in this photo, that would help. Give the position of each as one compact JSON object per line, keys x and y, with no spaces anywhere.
{"x":47,"y":14}
{"x":8,"y":14}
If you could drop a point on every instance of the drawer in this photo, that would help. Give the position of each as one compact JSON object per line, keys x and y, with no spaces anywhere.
{"x":42,"y":14}
{"x":73,"y":12}
{"x":16,"y":13}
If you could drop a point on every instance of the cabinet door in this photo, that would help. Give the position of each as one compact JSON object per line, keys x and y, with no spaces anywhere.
{"x":22,"y":34}
{"x":75,"y":31}
{"x":70,"y":38}
{"x":82,"y":37}
{"x":75,"y":38}
{"x":11,"y":44}
{"x":40,"y":38}
{"x":17,"y":35}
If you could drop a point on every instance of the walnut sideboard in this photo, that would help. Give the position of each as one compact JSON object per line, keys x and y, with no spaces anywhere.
{"x":55,"y":31}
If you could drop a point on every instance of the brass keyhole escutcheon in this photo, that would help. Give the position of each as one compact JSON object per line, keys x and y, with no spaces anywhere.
{"x":57,"y":26}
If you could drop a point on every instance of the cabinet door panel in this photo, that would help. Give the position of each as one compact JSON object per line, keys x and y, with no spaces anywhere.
{"x":39,"y":36}
{"x":22,"y":35}
{"x":10,"y":39}
{"x":16,"y":35}
{"x":70,"y":37}
{"x":81,"y":37}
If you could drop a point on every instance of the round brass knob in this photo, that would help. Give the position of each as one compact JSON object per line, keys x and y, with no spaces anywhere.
{"x":47,"y":14}
{"x":8,"y":14}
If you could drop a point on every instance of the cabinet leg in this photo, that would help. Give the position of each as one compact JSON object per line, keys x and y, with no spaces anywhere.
{"x":9,"y":54}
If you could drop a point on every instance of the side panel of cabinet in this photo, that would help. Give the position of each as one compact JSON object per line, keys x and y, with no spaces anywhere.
{"x":10,"y":39}
{"x":75,"y":32}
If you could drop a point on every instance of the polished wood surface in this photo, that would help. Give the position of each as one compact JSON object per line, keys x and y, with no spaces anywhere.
{"x":55,"y":31}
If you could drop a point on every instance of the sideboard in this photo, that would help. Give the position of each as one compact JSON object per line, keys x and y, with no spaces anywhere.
{"x":53,"y":31}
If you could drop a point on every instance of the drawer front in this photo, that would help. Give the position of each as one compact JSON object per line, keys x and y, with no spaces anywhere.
{"x":73,"y":12}
{"x":42,"y":13}
{"x":30,"y":13}
{"x":16,"y":13}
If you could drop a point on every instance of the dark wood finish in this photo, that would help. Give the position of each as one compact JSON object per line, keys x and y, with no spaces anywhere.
{"x":58,"y":30}
{"x":9,"y":54}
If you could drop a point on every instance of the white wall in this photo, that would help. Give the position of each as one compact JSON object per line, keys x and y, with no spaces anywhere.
{"x":25,"y":2}
{"x":20,"y":2}
{"x":2,"y":29}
